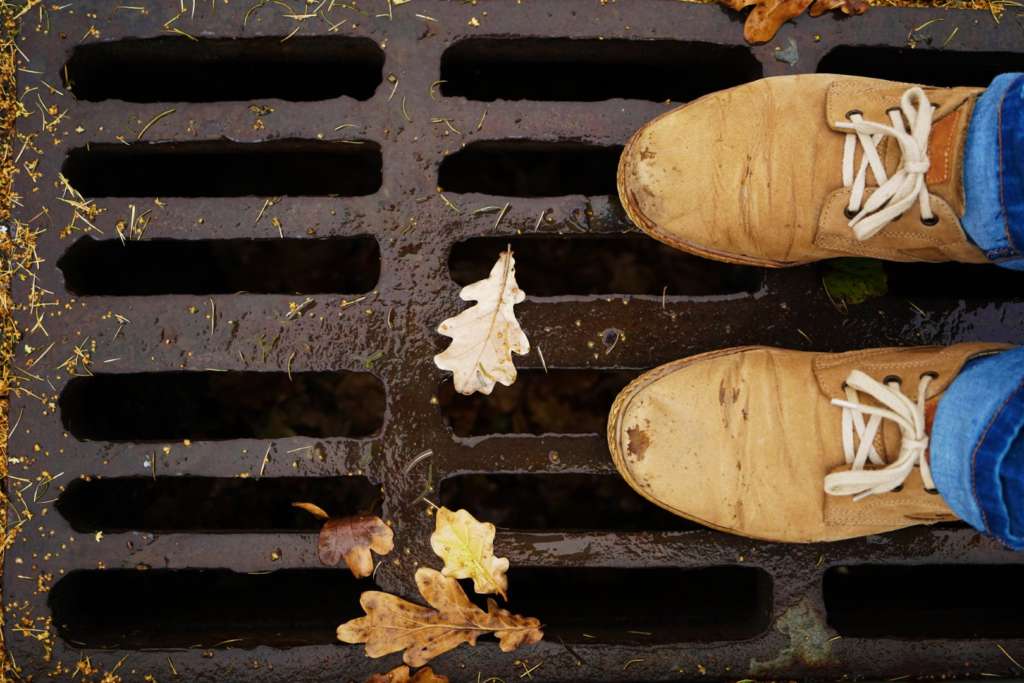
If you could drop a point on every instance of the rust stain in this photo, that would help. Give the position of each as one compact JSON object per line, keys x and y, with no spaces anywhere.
{"x":639,"y":442}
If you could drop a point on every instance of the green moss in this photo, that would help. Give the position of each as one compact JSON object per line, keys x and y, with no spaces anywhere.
{"x":855,"y":280}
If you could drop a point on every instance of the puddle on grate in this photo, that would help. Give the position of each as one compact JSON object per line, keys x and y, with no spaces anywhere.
{"x":215,"y":608}
{"x":337,"y":265}
{"x":947,"y":68}
{"x":169,"y":406}
{"x":557,"y":502}
{"x":169,"y":69}
{"x":553,"y":402}
{"x":568,"y":69}
{"x":569,"y":265}
{"x":643,"y":606}
{"x":525,"y":168}
{"x":297,"y":168}
{"x":925,"y":601}
{"x":208,"y":504}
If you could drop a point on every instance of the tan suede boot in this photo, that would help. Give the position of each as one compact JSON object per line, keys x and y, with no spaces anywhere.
{"x":795,"y":169}
{"x":788,"y":445}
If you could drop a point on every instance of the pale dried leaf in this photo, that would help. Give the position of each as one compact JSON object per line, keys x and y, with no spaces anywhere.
{"x":467,"y":548}
{"x":402,"y":674}
{"x":313,"y":509}
{"x":768,"y":16}
{"x":352,"y":539}
{"x":485,"y":335}
{"x":393,"y":625}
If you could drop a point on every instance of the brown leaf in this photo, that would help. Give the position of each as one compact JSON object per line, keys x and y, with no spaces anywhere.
{"x":401,"y":675}
{"x":768,"y":16}
{"x":847,"y":6}
{"x":352,"y":538}
{"x":313,"y":509}
{"x":392,"y":624}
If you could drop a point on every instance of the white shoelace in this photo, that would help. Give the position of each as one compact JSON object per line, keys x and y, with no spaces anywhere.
{"x":909,"y":416}
{"x":897,"y":193}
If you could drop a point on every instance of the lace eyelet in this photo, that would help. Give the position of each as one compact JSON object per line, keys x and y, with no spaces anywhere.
{"x":849,"y":213}
{"x":930,"y":222}
{"x":854,"y":112}
{"x":930,"y":373}
{"x":892,"y":378}
{"x":894,"y":109}
{"x":933,"y":492}
{"x":897,"y":489}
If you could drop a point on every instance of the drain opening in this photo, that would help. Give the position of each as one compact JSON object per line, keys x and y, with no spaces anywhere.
{"x":159,"y":608}
{"x":523,"y":168}
{"x":343,"y":265}
{"x":568,"y":69}
{"x":298,"y":168}
{"x":169,"y":406}
{"x":968,"y":281}
{"x":553,"y":402}
{"x":169,"y":69}
{"x":555,"y":502}
{"x":932,"y":67}
{"x":643,"y":606}
{"x":925,"y":601}
{"x":206,"y":504}
{"x":555,"y":266}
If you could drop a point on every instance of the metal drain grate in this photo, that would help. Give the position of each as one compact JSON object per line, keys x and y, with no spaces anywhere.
{"x":249,"y":349}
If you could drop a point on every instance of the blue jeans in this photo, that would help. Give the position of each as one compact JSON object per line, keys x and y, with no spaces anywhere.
{"x":977,"y":441}
{"x":994,"y":172}
{"x":977,"y":446}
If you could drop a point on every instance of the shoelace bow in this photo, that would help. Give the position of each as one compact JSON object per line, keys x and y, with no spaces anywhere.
{"x":896,"y":406}
{"x":896,"y":193}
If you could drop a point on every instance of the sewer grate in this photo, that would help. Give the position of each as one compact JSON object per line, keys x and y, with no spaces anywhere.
{"x":266,"y":334}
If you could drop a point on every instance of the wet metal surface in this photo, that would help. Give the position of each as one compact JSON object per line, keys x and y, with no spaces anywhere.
{"x":769,"y":621}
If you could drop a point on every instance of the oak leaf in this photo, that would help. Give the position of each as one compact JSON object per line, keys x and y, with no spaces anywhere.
{"x":313,"y":509}
{"x":402,"y":674}
{"x":351,"y":539}
{"x":467,"y":548}
{"x":392,"y":624}
{"x":768,"y":16}
{"x":846,"y":6}
{"x":485,"y":335}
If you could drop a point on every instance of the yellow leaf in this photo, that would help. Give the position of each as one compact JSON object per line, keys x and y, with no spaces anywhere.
{"x":467,"y":548}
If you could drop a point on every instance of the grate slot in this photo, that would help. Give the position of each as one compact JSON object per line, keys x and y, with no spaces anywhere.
{"x":553,"y":402}
{"x":225,"y":169}
{"x":612,"y":605}
{"x":524,"y":168}
{"x":163,"y":608}
{"x":944,"y":281}
{"x":349,"y":265}
{"x":170,"y":406}
{"x":934,"y":67}
{"x":568,"y":69}
{"x":548,"y":502}
{"x":555,"y":266}
{"x":168,"y":69}
{"x":925,"y":601}
{"x":207,"y":504}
